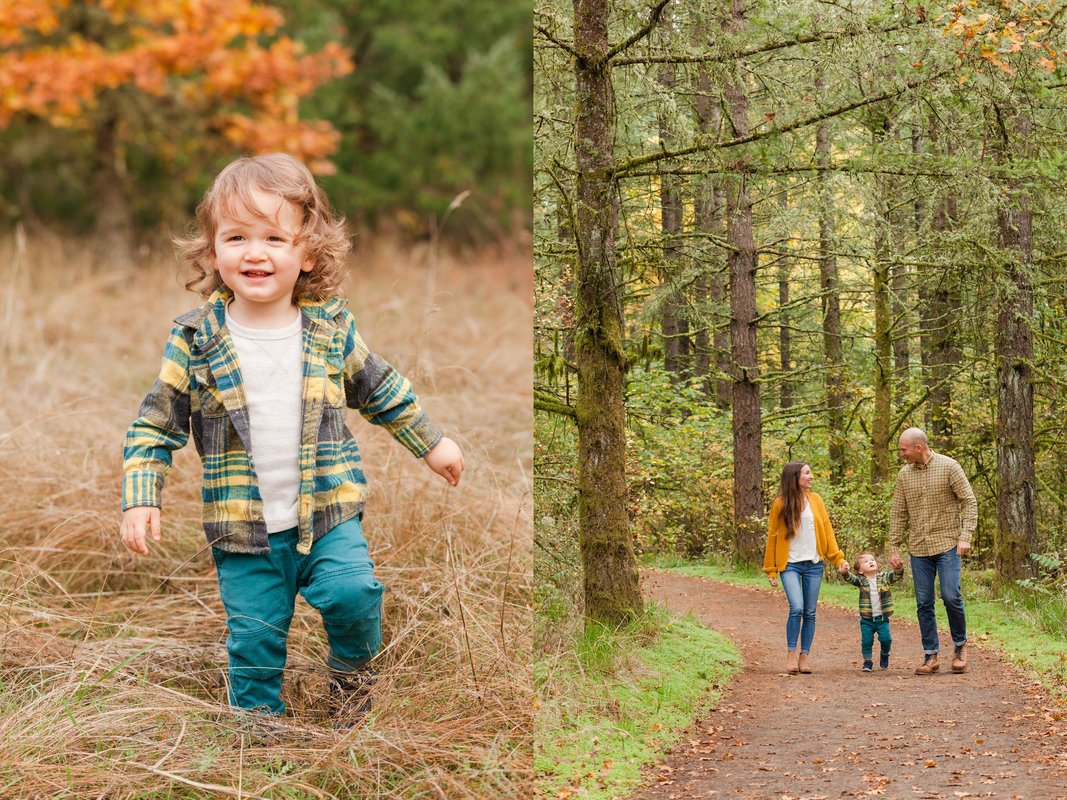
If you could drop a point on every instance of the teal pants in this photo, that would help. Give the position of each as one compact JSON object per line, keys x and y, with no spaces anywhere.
{"x":868,"y":628}
{"x":259,"y":594}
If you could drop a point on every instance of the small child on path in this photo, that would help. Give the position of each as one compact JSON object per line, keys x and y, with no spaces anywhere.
{"x":260,"y":375}
{"x":876,"y":604}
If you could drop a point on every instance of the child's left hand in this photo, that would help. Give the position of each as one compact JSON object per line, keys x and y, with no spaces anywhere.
{"x":446,"y":460}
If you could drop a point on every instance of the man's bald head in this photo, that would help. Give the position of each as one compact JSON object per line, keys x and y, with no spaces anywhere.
{"x":914,"y":436}
{"x":913,"y":446}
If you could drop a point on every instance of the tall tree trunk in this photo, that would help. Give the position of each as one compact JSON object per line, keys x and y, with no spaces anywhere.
{"x":113,"y":233}
{"x":1014,"y":343}
{"x":900,"y":327}
{"x":785,"y":342}
{"x":675,"y":324}
{"x":742,"y":261}
{"x":710,"y":219}
{"x":610,"y":571}
{"x":831,"y":306}
{"x":882,"y":353}
{"x":939,"y":299}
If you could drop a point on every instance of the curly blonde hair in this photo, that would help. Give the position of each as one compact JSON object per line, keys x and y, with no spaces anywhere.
{"x":322,"y":231}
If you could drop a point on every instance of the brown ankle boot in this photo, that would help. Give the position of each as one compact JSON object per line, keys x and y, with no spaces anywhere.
{"x":929,"y":665}
{"x":959,"y":660}
{"x":791,"y":664}
{"x":804,"y":666}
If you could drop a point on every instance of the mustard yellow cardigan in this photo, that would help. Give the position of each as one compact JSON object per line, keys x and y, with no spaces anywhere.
{"x":776,"y":554}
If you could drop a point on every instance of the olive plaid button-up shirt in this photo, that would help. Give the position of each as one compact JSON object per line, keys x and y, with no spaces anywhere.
{"x":885,"y":596}
{"x":933,"y":507}
{"x":199,"y":391}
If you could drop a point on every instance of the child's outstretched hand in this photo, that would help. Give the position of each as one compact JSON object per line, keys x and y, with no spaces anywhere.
{"x":136,"y":522}
{"x":446,"y":460}
{"x":895,"y":561}
{"x":843,"y":569}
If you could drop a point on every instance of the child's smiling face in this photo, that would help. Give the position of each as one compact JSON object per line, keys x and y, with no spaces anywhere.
{"x":867,"y":564}
{"x":258,"y":257}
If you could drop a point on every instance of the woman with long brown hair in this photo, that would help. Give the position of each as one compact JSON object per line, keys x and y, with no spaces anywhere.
{"x":799,"y":538}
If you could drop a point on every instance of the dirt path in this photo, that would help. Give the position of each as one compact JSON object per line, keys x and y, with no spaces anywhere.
{"x":840,"y":732}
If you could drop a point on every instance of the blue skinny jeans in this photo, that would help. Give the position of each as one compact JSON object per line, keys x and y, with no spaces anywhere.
{"x":801,"y":581}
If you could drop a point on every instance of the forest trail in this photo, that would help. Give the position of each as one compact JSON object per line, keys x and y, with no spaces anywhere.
{"x":840,"y":732}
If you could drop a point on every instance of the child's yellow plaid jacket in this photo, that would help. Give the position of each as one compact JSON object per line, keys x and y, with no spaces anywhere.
{"x":199,"y":390}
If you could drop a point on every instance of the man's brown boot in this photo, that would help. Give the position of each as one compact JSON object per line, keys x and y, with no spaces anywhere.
{"x":959,"y":660}
{"x":792,"y":662}
{"x":929,"y":665}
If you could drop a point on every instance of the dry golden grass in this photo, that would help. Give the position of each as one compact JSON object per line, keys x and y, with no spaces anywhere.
{"x":112,"y":666}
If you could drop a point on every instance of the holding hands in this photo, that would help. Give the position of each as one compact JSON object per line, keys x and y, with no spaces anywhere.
{"x":844,"y":569}
{"x":895,"y":561}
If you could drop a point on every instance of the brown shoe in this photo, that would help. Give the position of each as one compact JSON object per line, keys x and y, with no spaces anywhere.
{"x":804,"y":666}
{"x":929,"y":665}
{"x":959,"y":660}
{"x":791,"y":665}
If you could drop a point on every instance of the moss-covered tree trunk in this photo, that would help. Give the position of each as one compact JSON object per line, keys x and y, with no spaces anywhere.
{"x":1014,"y":343}
{"x":742,"y":262}
{"x":610,"y":572}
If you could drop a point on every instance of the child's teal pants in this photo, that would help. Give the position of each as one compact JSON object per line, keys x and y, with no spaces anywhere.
{"x":259,"y":593}
{"x":868,"y":627}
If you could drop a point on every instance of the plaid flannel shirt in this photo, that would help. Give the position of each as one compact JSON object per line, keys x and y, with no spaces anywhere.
{"x":884,"y":595}
{"x":933,"y":507}
{"x":199,"y":391}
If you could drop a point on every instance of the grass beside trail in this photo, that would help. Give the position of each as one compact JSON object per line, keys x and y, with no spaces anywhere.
{"x":1027,"y":627}
{"x":618,"y":699}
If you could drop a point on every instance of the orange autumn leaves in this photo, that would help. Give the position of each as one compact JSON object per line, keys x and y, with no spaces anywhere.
{"x":1004,"y":32}
{"x":58,"y":56}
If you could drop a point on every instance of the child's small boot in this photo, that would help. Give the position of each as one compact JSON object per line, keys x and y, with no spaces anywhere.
{"x":868,"y":665}
{"x":792,"y":664}
{"x":883,"y":662}
{"x":350,"y":695}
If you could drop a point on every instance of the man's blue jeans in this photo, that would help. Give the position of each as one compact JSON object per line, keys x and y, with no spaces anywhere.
{"x":946,"y":566}
{"x":801,"y":581}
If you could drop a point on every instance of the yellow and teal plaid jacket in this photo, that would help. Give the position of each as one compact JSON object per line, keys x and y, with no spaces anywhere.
{"x":885,"y":596}
{"x":199,"y":391}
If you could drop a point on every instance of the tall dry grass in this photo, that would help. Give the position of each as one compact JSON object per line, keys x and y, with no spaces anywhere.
{"x":112,"y":666}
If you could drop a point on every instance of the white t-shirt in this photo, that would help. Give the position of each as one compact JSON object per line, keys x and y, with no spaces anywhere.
{"x":802,"y":546}
{"x":876,"y":598}
{"x":272,"y":377}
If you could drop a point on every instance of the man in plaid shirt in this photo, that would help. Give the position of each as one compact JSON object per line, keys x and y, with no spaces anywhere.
{"x":934,"y":514}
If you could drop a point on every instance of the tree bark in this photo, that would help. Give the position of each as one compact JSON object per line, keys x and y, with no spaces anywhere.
{"x":675,"y":326}
{"x":1014,"y":343}
{"x":831,"y":306}
{"x":742,"y":261}
{"x":939,"y":299}
{"x":710,"y":219}
{"x":882,"y":355}
{"x":611,"y":587}
{"x":785,"y":341}
{"x":113,"y":231}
